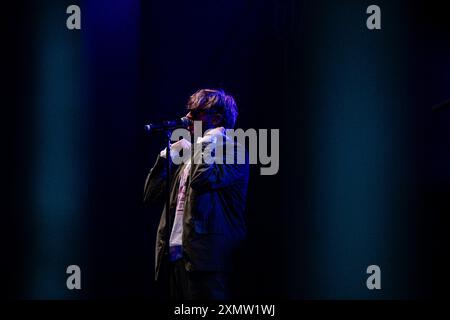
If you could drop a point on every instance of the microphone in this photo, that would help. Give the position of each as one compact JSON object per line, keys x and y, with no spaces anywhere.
{"x":168,"y":125}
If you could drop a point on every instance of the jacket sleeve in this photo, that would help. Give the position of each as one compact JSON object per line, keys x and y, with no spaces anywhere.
{"x":212,"y":176}
{"x":155,"y":184}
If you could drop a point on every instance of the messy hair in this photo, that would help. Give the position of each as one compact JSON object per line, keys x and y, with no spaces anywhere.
{"x":215,"y":101}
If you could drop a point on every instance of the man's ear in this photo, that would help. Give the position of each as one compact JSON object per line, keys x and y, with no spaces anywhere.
{"x":217,"y":120}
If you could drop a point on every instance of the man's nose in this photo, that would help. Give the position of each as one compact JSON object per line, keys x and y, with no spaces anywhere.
{"x":189,"y":116}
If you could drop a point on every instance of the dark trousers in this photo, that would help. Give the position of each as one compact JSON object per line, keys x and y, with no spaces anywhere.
{"x":196,"y":285}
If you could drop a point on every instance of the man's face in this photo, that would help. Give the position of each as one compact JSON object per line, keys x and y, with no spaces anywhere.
{"x":208,"y":120}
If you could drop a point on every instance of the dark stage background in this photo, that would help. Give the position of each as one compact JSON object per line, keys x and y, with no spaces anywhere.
{"x":363,"y":159}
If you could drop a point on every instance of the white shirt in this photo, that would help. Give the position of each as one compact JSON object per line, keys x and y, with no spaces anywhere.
{"x":177,"y":229}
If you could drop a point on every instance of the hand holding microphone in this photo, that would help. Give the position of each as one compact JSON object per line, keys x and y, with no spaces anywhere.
{"x":175,"y":149}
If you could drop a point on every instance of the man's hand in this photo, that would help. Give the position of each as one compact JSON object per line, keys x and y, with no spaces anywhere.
{"x":212,"y":135}
{"x":182,"y":144}
{"x":175,"y":149}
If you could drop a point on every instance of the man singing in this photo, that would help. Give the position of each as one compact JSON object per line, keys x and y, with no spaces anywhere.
{"x":207,"y":203}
